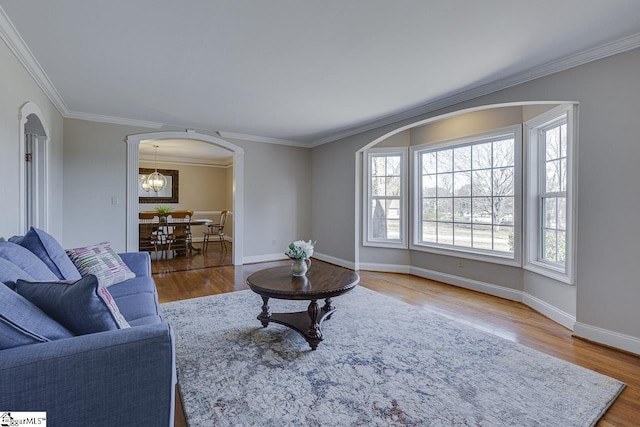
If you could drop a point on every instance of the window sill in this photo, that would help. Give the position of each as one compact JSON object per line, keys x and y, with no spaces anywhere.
{"x":469,"y":254}
{"x":389,"y":245}
{"x":549,"y":271}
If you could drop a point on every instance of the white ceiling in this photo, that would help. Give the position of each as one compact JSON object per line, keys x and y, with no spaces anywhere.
{"x":302,"y":72}
{"x":185,"y":151}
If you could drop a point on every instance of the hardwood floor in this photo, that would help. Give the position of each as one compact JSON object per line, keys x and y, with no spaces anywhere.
{"x":215,"y":256}
{"x":510,"y":320}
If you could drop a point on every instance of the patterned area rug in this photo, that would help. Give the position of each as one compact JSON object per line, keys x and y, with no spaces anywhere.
{"x":382,"y":362}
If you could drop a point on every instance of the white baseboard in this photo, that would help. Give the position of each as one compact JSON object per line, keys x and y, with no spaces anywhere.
{"x":553,"y":313}
{"x":543,"y":307}
{"x":463,"y":282}
{"x":385,"y":268}
{"x":333,"y":260}
{"x":263,"y":258}
{"x":607,"y":337}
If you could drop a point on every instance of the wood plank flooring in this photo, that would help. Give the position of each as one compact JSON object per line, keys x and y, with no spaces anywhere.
{"x":215,"y":256}
{"x":510,"y":320}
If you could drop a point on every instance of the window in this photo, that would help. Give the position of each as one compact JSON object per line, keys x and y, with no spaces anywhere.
{"x":553,"y":194}
{"x":549,"y":194}
{"x":385,"y":199}
{"x":467,"y":195}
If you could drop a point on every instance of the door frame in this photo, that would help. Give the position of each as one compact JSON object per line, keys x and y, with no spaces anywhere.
{"x":40,"y":195}
{"x":133,"y":159}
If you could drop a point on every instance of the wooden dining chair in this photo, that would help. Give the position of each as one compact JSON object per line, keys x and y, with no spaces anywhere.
{"x":149,"y":232}
{"x":216,"y":230}
{"x":179,"y":231}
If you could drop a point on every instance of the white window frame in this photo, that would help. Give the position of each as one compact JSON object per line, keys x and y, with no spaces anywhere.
{"x":367,"y":239}
{"x":534,"y":241}
{"x":514,"y":259}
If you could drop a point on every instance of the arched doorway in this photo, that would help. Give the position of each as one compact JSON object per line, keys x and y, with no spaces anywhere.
{"x":33,"y":168}
{"x":133,"y":157}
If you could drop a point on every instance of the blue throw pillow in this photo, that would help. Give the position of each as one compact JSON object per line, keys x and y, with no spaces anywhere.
{"x":26,"y":260}
{"x":84,"y":307}
{"x":15,"y":239}
{"x":47,"y":248}
{"x":22,"y":323}
{"x":10,"y":273}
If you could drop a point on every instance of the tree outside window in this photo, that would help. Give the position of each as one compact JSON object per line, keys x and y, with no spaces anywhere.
{"x":385,"y":217}
{"x":468,"y":194}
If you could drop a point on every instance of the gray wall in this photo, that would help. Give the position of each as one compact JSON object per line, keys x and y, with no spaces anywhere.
{"x":606,"y":293}
{"x":95,"y":171}
{"x":17,"y":88}
{"x":277,"y":201}
{"x":277,"y":198}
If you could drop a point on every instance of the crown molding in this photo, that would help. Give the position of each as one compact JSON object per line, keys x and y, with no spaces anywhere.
{"x":186,"y":162}
{"x":603,"y":51}
{"x":113,"y":120}
{"x":265,"y":139}
{"x":15,"y":42}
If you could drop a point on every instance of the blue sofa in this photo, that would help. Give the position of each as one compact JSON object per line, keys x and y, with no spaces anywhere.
{"x":123,"y":377}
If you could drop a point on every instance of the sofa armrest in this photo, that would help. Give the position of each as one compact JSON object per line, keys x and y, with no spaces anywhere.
{"x":138,"y":262}
{"x":116,"y":378}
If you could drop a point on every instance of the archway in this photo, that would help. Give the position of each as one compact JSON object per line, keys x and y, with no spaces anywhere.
{"x":133,"y":157}
{"x":359,"y":155}
{"x":33,"y":169}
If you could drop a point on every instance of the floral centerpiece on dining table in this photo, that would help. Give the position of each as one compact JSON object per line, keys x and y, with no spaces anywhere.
{"x":300,"y":251}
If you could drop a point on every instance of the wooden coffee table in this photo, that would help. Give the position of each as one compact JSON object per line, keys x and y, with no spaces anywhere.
{"x":323,"y":281}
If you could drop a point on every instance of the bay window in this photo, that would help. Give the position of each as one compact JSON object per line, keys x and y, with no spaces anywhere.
{"x":490,"y":196}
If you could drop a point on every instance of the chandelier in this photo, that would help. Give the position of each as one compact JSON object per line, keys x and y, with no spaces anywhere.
{"x":155,"y":181}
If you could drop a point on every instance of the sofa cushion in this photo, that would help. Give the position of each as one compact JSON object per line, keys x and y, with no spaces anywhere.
{"x":147,"y":320}
{"x":47,"y":248}
{"x":84,"y":307}
{"x":9,"y":273}
{"x":101,"y":261}
{"x":137,"y":306}
{"x":22,"y":323}
{"x":26,"y":260}
{"x":133,"y":286}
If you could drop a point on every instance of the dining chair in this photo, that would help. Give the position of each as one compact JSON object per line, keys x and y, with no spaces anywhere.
{"x":149,"y":232}
{"x":179,"y":231}
{"x":216,"y":230}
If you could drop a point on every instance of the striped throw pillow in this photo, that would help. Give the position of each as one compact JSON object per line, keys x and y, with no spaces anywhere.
{"x":101,"y":261}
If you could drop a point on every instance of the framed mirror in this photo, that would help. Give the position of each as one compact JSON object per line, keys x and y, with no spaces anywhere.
{"x":168,"y":194}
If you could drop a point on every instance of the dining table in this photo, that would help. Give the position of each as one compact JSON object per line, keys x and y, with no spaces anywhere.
{"x":169,"y":222}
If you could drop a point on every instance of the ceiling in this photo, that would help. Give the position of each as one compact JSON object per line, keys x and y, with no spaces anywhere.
{"x":298,"y":72}
{"x":185,"y":151}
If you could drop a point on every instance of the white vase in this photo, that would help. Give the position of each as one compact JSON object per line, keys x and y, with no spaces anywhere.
{"x":300,"y":266}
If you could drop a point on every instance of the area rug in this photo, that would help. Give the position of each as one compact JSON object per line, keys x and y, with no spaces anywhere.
{"x":382,"y":362}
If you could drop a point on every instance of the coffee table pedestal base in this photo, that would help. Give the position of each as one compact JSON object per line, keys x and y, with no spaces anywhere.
{"x":306,"y":323}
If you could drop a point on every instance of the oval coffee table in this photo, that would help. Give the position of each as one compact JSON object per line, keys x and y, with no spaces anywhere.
{"x":323,"y":281}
